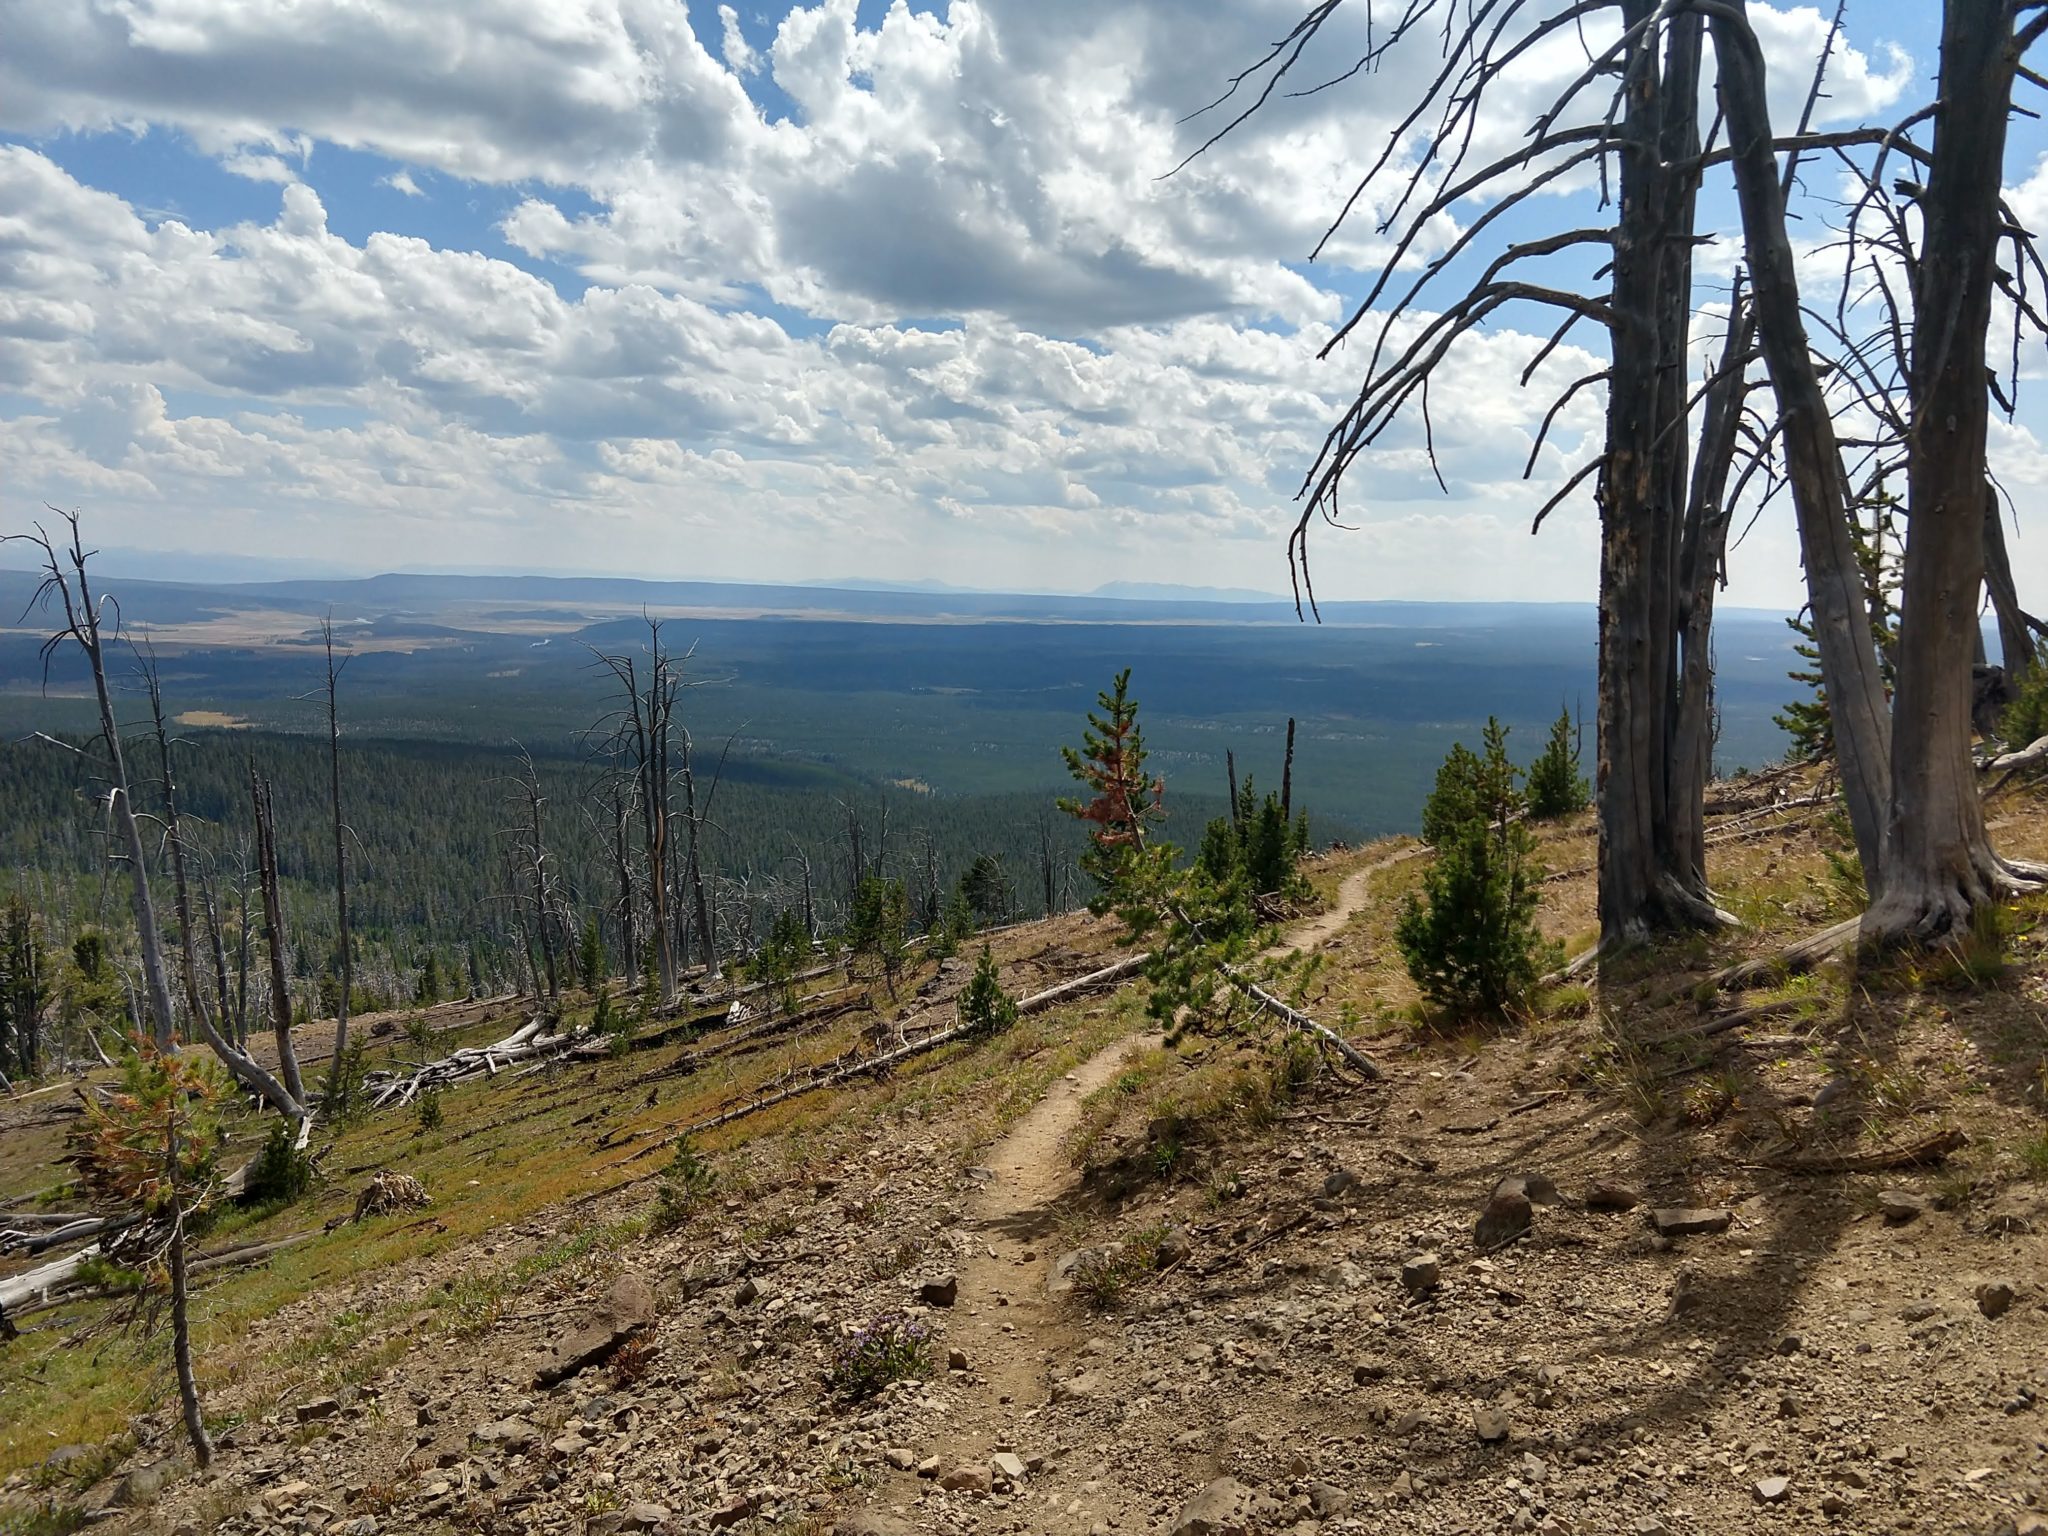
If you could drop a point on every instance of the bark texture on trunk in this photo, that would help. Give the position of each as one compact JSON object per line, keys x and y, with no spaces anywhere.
{"x":341,"y":1007}
{"x":181,"y":1340}
{"x":1939,"y":865}
{"x":1841,"y":617}
{"x":1647,"y":882}
{"x":1707,"y":516}
{"x":273,"y":924}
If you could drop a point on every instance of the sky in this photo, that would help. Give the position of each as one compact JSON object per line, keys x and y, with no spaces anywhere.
{"x":766,"y":292}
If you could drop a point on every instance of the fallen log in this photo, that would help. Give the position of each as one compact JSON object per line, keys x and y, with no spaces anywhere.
{"x":1916,"y":1154}
{"x":19,"y":1292}
{"x":839,"y":1072}
{"x":1297,"y":1020}
{"x":72,"y":1232}
{"x":2012,"y":764}
{"x":1802,"y":955}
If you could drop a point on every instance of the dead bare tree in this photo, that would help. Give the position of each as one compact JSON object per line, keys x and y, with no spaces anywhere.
{"x":274,"y":938}
{"x":637,"y":731}
{"x":1938,"y":861}
{"x":337,"y":1067}
{"x":1639,"y":136}
{"x":246,"y":1071}
{"x":530,"y":849}
{"x":1923,"y":383}
{"x":71,"y":590}
{"x":694,"y":820}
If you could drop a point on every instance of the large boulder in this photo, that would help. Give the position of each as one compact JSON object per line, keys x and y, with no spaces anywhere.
{"x":627,"y":1310}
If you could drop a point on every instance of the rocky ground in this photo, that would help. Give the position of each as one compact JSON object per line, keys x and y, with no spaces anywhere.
{"x":1488,"y":1293}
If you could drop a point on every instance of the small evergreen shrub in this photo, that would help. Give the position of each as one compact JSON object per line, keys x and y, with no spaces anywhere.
{"x":2026,"y":717}
{"x":1555,"y":785}
{"x":685,"y":1184}
{"x":985,"y":1008}
{"x":1470,"y":940}
{"x":349,"y":1085}
{"x":427,"y":1110}
{"x":283,"y":1171}
{"x":889,"y":1349}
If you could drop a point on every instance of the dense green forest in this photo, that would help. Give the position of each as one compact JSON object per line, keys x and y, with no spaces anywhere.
{"x":432,"y":826}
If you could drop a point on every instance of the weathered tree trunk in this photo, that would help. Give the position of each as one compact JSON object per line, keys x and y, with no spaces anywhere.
{"x":273,"y":923}
{"x":337,"y":1066}
{"x":1841,"y":617}
{"x":83,"y":626}
{"x":537,"y":863}
{"x":629,"y":936}
{"x":706,"y":929}
{"x":245,"y":1071}
{"x":223,"y":997}
{"x":2017,"y":629}
{"x":1938,"y":861}
{"x":1230,"y":777}
{"x":181,"y":1329}
{"x":1707,"y":516}
{"x":1641,"y":487}
{"x":1045,"y":863}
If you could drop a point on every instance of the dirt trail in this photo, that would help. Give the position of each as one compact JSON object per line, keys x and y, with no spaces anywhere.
{"x":1007,"y":1324}
{"x":1011,"y":1329}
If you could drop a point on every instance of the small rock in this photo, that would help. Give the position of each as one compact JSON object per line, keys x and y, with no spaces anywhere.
{"x":956,"y":1360}
{"x":746,"y":1293}
{"x":1224,"y":1507}
{"x":968,"y":1479}
{"x":1175,"y":1247}
{"x":1791,"y":1344}
{"x":942,"y":1292}
{"x":1490,"y":1424}
{"x":645,"y":1517}
{"x":1421,"y":1273}
{"x":1611,"y":1195}
{"x":1505,"y":1218}
{"x":1686,"y":1221}
{"x":901,"y":1457}
{"x":1900,"y":1206}
{"x":1085,"y":1384}
{"x":1773,"y":1490}
{"x":1340,"y":1182}
{"x":143,"y":1484}
{"x":871,"y":1522}
{"x":318,"y":1408}
{"x":1539,"y":1188}
{"x":1007,"y":1466}
{"x":1994,"y":1298}
{"x":732,"y":1512}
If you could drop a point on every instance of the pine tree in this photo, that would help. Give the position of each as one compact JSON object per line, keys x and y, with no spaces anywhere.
{"x":985,"y":1008}
{"x":1555,"y":785}
{"x":591,"y":960}
{"x":1123,"y":802}
{"x":1470,"y":940}
{"x":148,"y":1152}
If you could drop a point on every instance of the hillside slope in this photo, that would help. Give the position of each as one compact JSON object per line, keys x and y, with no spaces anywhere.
{"x":1214,"y":1288}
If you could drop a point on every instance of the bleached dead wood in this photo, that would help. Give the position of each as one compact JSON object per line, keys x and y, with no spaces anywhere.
{"x":2011,"y":764}
{"x":78,"y":1228}
{"x":831,"y":1073}
{"x":18,"y":1292}
{"x":469,"y":1061}
{"x":1298,"y":1020}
